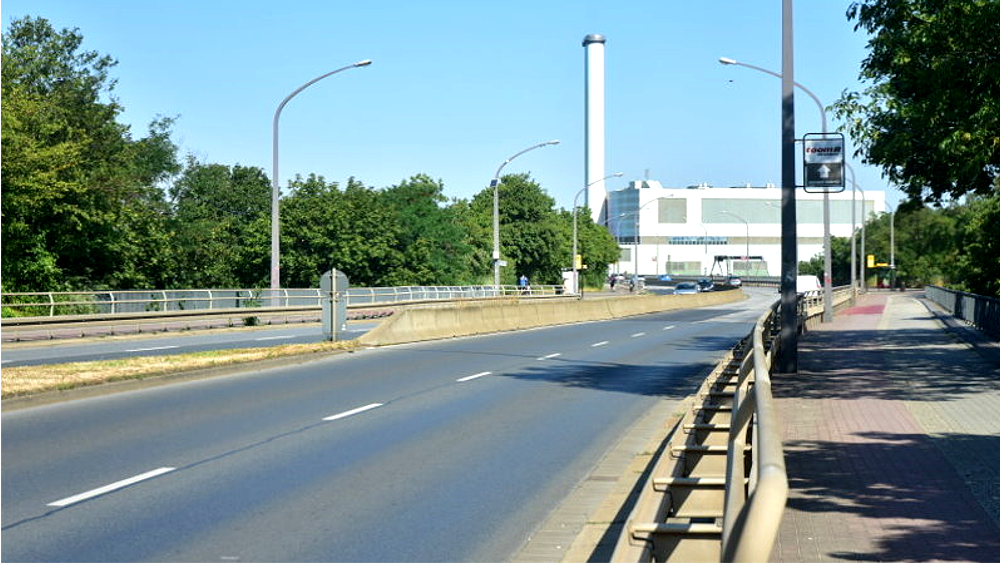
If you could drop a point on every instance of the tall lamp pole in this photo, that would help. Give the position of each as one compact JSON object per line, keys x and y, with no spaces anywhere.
{"x":576,"y":275}
{"x":747,"y":223}
{"x":495,"y":184}
{"x":827,"y":258}
{"x":276,"y":191}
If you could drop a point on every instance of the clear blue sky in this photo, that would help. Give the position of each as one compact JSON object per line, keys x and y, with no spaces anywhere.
{"x":457,"y":87}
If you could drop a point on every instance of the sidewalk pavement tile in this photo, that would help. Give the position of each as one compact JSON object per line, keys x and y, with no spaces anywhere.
{"x":892,"y":441}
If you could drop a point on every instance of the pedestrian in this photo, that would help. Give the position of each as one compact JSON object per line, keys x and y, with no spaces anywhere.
{"x":522,"y":283}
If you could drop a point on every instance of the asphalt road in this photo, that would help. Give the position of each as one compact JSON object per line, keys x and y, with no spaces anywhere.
{"x":58,"y":352}
{"x":439,"y":451}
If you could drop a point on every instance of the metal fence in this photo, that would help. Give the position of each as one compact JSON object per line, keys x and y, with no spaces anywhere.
{"x":719,"y":489}
{"x":980,"y":311}
{"x":52,"y":304}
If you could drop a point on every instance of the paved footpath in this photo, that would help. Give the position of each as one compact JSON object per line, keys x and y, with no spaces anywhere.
{"x":892,"y":440}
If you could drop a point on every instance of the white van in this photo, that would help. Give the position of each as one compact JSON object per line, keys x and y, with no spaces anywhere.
{"x":808,"y":284}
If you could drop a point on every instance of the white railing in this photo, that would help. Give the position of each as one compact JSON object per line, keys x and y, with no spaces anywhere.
{"x":103,"y":303}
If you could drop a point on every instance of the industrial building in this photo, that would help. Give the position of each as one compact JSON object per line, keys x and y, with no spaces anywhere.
{"x":702,"y":229}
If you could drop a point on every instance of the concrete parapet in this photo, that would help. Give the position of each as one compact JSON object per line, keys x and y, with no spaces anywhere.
{"x":466,"y":319}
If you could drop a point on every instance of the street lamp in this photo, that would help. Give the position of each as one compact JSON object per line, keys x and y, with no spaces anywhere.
{"x":635,"y":240}
{"x":827,"y":258}
{"x":495,"y":184}
{"x":276,"y":191}
{"x":747,"y":223}
{"x":864,"y":257}
{"x":576,"y":275}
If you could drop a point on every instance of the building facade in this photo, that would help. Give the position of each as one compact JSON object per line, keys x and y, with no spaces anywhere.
{"x":702,"y":230}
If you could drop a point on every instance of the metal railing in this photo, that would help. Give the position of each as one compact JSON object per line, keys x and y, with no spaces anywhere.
{"x":721,"y":491}
{"x":980,"y":311}
{"x":104,"y":303}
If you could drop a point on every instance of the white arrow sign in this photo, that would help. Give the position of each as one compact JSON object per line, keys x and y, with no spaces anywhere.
{"x":824,"y":172}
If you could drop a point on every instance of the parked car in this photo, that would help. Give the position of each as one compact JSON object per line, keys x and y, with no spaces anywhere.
{"x":734,"y":281}
{"x":686,"y":288}
{"x":666,"y":277}
{"x":705,"y":284}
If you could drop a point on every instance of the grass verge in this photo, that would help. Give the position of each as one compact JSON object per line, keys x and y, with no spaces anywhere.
{"x":30,"y":380}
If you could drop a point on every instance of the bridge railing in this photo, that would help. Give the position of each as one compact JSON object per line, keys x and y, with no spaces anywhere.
{"x":105,"y":303}
{"x":719,"y":489}
{"x":980,"y":311}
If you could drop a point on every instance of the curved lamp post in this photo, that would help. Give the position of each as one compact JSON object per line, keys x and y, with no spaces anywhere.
{"x":275,"y":190}
{"x":635,"y":241}
{"x":827,"y":259}
{"x":495,"y":184}
{"x":576,"y":275}
{"x":745,"y":222}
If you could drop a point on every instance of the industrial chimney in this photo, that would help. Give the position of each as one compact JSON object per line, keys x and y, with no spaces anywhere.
{"x":593,"y":45}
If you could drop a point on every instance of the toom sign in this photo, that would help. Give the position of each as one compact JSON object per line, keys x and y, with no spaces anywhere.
{"x":823,"y":160}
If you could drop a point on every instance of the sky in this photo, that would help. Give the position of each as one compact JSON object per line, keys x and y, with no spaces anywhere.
{"x":457,"y":87}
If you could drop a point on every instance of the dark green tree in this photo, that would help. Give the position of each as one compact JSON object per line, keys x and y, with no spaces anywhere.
{"x":978,"y":263}
{"x":433,"y":245}
{"x":596,"y":246}
{"x":530,"y":238}
{"x":350,"y":230}
{"x":81,"y":206}
{"x":931,"y":115}
{"x":221,"y":226}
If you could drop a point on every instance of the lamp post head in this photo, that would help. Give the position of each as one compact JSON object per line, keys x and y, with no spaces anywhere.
{"x":365,"y":62}
{"x":553,"y":142}
{"x":727,"y":61}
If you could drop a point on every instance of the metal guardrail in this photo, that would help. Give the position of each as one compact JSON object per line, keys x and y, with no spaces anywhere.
{"x":980,"y":311}
{"x":720,"y":493}
{"x":99,"y":304}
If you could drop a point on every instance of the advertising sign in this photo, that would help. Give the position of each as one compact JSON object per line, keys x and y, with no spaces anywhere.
{"x":823,"y":162}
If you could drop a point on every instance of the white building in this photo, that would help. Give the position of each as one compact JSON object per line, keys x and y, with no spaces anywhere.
{"x":703,"y":230}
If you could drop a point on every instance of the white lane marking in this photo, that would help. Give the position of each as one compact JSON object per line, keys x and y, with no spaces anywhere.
{"x":550,"y":356}
{"x":153,"y":348}
{"x":638,"y":334}
{"x":476,"y":376}
{"x":275,"y":337}
{"x":668,"y":327}
{"x":112,"y":487}
{"x":353,"y":412}
{"x":601,"y":343}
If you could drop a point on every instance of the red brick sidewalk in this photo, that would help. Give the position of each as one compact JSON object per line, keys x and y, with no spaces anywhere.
{"x":892,"y":441}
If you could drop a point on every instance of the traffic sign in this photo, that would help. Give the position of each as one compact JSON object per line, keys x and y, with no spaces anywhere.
{"x":823,"y":162}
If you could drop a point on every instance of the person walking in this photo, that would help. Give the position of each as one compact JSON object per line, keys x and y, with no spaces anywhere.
{"x":522,"y":283}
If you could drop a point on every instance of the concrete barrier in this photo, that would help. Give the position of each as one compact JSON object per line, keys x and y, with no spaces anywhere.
{"x":433,"y":322}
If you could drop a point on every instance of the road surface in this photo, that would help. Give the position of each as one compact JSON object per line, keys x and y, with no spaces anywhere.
{"x":437,"y":451}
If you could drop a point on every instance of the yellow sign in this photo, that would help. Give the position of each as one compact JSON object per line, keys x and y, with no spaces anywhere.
{"x":578,"y":262}
{"x":882,"y":265}
{"x":871,"y":260}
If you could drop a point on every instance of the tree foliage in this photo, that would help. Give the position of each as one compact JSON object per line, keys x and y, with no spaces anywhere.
{"x":931,"y":115}
{"x":78,"y":190}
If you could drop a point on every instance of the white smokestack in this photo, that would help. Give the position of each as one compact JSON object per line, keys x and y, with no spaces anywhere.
{"x":594,"y":126}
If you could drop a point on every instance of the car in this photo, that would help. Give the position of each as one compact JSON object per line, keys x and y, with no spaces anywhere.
{"x":705,"y":284}
{"x":686,"y":288}
{"x":734,"y":281}
{"x":666,"y":277}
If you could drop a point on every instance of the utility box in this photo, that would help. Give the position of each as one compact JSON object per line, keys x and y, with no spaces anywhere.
{"x":333,"y":288}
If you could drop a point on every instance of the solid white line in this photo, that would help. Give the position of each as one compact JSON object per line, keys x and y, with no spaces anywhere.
{"x":275,"y":337}
{"x":638,"y":334}
{"x":550,"y":356}
{"x":354,"y":411}
{"x":112,"y":487}
{"x":471,"y":377}
{"x":668,"y":327}
{"x":154,"y":348}
{"x":601,"y":343}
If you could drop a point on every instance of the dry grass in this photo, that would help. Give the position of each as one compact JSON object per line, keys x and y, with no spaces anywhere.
{"x":29,"y":380}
